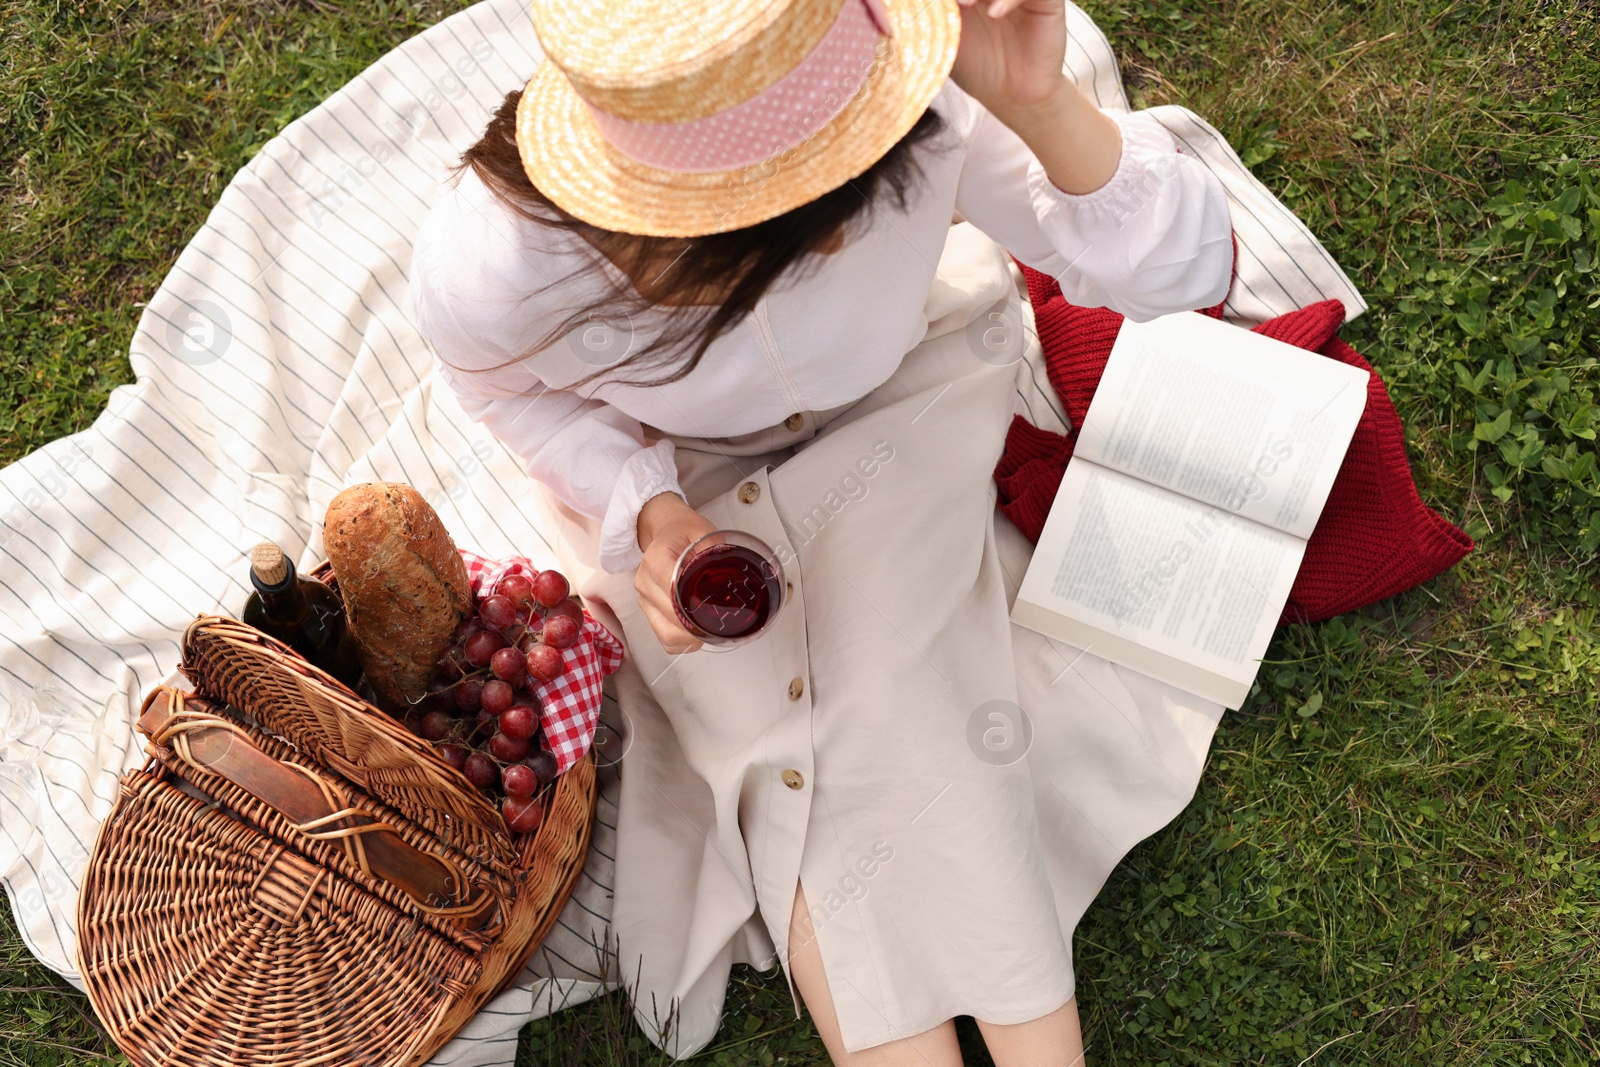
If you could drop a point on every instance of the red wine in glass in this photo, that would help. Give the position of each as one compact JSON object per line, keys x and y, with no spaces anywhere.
{"x":727,"y":591}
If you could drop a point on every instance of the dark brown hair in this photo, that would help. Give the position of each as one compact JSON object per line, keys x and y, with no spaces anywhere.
{"x":746,"y":262}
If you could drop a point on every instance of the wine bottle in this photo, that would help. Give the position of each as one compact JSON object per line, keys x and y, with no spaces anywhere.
{"x":301,"y":612}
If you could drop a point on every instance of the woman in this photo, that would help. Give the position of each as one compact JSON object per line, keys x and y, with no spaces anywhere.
{"x":696,"y":274}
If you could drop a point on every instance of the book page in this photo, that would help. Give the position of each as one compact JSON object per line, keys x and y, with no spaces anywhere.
{"x":1152,"y":570}
{"x":1225,"y":416}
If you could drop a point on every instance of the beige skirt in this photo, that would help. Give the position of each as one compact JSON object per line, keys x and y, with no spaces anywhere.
{"x":951,"y":790}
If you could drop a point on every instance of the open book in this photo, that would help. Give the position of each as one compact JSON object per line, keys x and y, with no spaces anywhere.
{"x":1199,"y":472}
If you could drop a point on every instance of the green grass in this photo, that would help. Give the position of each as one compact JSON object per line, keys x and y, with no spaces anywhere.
{"x":1391,"y":858}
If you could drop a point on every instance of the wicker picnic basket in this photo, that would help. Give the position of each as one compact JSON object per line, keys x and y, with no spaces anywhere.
{"x":295,"y":879}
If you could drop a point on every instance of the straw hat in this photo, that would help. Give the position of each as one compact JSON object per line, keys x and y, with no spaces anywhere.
{"x":678,"y":118}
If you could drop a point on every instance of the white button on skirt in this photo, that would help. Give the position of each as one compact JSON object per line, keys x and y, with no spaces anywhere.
{"x":951,"y":790}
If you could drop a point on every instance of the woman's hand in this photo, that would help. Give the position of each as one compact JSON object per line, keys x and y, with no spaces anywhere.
{"x":1010,"y":60}
{"x":1012,"y":53}
{"x":667,"y":525}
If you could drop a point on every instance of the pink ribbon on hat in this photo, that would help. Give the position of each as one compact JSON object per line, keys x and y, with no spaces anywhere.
{"x":787,"y":113}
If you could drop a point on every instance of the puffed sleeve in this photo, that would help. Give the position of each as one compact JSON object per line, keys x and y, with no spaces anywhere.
{"x":478,"y":296}
{"x":1153,"y":240}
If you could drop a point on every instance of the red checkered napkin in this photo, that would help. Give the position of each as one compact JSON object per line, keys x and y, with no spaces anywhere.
{"x":571,"y":703}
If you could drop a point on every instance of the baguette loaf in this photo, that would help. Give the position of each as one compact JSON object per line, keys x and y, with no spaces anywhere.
{"x":404,"y":585}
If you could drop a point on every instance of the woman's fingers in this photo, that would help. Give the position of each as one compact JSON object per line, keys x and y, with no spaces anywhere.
{"x":654,"y":584}
{"x":669,"y":528}
{"x":673,"y":637}
{"x":655,"y":598}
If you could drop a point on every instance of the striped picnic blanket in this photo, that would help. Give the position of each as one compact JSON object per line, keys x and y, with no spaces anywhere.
{"x":278,"y":364}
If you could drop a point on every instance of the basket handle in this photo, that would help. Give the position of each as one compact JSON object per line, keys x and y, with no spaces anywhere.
{"x":313,"y":805}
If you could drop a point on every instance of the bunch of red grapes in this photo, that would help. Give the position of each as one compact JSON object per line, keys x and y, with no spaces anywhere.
{"x":481,"y":712}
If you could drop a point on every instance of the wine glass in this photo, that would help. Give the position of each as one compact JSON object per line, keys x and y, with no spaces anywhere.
{"x":30,"y":717}
{"x":20,"y":790}
{"x":727,"y":588}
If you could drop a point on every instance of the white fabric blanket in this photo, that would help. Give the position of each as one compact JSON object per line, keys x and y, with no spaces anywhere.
{"x":278,"y":364}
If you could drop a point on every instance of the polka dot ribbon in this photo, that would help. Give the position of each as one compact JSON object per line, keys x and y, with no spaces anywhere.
{"x":785,"y":114}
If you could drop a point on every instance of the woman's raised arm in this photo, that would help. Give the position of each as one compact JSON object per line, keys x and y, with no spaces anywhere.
{"x":1011,"y":61}
{"x":1100,"y":200}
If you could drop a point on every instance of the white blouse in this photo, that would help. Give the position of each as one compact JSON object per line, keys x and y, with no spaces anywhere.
{"x":487,"y":285}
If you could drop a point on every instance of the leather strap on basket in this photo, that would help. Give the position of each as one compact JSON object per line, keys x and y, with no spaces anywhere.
{"x":212,"y":744}
{"x":341,"y":810}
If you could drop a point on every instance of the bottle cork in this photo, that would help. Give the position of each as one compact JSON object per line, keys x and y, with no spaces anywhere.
{"x":269,"y":563}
